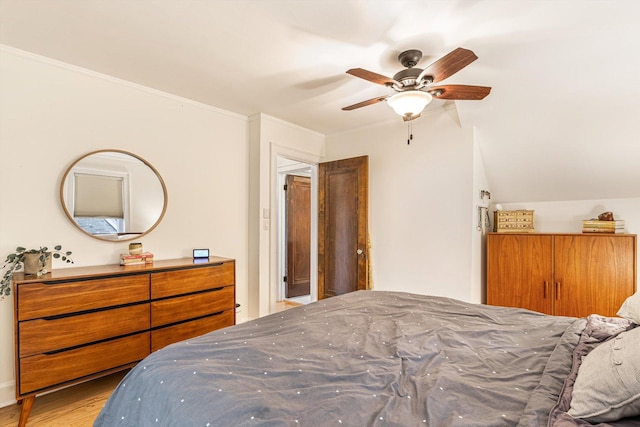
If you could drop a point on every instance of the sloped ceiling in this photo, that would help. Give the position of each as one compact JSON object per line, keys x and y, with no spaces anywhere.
{"x":561,"y":123}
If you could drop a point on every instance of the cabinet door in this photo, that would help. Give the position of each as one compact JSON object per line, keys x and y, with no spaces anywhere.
{"x":179,"y":309}
{"x":162,"y":337}
{"x":519,"y":271}
{"x":177,"y":282}
{"x":594,"y":274}
{"x":55,"y":298}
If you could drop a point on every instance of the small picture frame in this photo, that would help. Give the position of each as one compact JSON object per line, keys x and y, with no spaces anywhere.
{"x":200,"y":253}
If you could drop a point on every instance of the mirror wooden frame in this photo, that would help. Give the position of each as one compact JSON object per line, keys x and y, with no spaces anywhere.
{"x":119,"y":237}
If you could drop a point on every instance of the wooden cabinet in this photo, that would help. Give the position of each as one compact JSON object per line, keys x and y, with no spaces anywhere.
{"x":561,"y":274}
{"x":187,"y":303}
{"x":82,"y":323}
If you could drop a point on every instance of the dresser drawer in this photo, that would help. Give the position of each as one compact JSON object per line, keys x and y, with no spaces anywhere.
{"x":43,"y":370}
{"x":170,"y":283}
{"x":36,"y":300}
{"x":186,"y":307}
{"x":46,"y":335}
{"x":182,"y":331}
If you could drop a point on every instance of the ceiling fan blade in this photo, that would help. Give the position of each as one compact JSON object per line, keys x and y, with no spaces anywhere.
{"x":459,"y":92}
{"x":365,"y":103}
{"x":447,"y":66}
{"x":372,"y":77}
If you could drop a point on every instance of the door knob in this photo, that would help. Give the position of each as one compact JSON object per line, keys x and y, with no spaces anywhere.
{"x":359,"y":251}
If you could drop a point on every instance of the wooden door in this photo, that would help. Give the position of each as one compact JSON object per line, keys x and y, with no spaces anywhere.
{"x":342,"y":226}
{"x":593,"y":274}
{"x":298,"y":231}
{"x":520,"y":271}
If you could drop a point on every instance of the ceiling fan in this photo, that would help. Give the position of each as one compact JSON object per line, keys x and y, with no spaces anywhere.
{"x":414,"y":86}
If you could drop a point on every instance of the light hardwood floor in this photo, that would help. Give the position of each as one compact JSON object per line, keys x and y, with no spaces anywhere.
{"x":285,"y":305}
{"x":76,"y":406}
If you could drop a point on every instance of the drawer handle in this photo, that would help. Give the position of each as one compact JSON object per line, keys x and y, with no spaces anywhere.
{"x":90,"y":343}
{"x":93,"y":310}
{"x":217,"y":313}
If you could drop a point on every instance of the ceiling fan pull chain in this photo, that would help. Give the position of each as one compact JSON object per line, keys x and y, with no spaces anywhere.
{"x":409,"y":133}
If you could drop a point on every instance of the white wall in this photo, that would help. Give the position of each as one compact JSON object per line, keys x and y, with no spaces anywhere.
{"x":52,"y":113}
{"x":269,"y":139}
{"x":567,"y":216}
{"x":478,"y":239}
{"x":420,"y":203}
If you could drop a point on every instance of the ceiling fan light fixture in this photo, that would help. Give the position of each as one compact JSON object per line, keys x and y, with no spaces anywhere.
{"x":409,"y":103}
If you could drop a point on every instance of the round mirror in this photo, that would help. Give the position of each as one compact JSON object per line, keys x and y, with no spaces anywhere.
{"x":113,"y":195}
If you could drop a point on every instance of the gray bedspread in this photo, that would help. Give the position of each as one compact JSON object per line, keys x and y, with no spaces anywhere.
{"x":368,"y":358}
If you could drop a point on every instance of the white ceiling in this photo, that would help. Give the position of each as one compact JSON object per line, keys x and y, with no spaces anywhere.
{"x":561,"y":123}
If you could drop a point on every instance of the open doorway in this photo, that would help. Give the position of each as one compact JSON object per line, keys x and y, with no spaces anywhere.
{"x":343,"y":264}
{"x":297,"y":232}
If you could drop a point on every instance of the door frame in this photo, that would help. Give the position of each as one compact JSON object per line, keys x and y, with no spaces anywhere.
{"x":301,"y":169}
{"x":270,"y":295}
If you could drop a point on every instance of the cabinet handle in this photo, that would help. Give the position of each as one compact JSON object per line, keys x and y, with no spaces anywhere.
{"x":546,"y":285}
{"x":558,"y":290}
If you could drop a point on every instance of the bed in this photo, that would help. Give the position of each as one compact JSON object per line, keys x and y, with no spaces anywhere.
{"x":377,"y":358}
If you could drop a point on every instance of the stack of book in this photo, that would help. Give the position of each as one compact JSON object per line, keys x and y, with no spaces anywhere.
{"x":597,"y":226}
{"x":143,"y":258}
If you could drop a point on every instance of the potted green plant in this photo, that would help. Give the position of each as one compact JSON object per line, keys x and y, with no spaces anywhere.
{"x":33,"y":261}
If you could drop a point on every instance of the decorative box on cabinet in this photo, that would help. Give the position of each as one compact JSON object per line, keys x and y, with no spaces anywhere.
{"x":561,"y":274}
{"x":81,"y":323}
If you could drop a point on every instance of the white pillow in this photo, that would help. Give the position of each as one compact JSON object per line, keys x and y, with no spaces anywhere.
{"x":607,"y":387}
{"x":630,"y":308}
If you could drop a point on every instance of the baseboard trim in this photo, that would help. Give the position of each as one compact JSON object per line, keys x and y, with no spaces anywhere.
{"x":7,"y":393}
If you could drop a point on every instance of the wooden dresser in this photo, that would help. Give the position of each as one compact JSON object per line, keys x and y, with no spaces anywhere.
{"x":561,"y":274}
{"x":76,"y":324}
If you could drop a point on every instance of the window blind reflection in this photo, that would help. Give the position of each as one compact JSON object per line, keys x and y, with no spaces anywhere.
{"x":98,"y":196}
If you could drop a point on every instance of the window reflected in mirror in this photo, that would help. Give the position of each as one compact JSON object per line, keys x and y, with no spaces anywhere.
{"x":113,"y":195}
